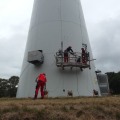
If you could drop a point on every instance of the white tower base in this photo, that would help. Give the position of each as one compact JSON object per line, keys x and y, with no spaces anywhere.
{"x":54,"y":21}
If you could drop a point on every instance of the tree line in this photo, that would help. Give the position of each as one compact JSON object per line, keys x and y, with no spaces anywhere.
{"x":114,"y":82}
{"x":8,"y":87}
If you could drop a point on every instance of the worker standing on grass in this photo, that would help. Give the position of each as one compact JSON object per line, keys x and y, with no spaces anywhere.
{"x":41,"y":83}
{"x":68,"y":50}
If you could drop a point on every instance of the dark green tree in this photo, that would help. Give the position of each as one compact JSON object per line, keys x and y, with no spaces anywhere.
{"x":4,"y":88}
{"x":13,"y":84}
{"x":114,"y":82}
{"x":8,"y":88}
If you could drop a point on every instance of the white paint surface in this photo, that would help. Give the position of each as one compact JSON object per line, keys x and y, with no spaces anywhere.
{"x":54,"y":21}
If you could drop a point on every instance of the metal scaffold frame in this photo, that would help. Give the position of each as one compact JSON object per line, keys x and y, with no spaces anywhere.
{"x":74,"y":60}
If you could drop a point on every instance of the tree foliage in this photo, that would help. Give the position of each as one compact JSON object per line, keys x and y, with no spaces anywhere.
{"x":8,"y":87}
{"x":114,"y":82}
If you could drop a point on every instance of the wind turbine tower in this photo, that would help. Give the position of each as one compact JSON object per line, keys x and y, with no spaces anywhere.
{"x":55,"y":25}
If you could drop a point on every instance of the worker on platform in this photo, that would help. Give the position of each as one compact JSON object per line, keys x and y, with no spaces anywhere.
{"x":84,"y":60}
{"x":78,"y":59}
{"x":68,"y":50}
{"x":41,"y":83}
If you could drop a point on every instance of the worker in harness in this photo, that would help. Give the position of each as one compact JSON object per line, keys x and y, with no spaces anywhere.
{"x":41,"y":83}
{"x":68,"y":50}
{"x":84,"y":59}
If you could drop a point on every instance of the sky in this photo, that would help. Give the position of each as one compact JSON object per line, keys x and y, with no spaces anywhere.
{"x":102,"y":19}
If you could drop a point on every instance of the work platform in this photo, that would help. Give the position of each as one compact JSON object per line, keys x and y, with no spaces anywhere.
{"x":70,"y":64}
{"x":64,"y":64}
{"x":73,"y":61}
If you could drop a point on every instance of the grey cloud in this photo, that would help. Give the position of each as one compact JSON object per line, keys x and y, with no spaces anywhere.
{"x":11,"y":53}
{"x":106,"y":45}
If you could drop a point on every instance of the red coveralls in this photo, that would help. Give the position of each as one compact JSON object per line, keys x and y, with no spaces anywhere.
{"x":40,"y":84}
{"x":65,"y":56}
{"x":84,"y":56}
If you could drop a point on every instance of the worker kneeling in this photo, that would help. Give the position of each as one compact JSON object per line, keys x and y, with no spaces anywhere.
{"x":41,"y":83}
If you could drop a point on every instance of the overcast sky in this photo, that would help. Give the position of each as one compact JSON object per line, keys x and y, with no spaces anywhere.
{"x":103,"y":24}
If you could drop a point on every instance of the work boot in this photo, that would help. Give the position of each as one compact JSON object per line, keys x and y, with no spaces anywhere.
{"x":35,"y":97}
{"x":42,"y":97}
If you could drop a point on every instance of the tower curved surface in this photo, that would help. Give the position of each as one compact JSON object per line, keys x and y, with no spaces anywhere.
{"x":54,"y":21}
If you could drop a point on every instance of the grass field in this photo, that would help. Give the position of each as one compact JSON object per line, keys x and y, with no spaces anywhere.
{"x":80,"y":108}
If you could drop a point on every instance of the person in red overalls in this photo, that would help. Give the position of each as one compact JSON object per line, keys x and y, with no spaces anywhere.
{"x":83,"y":56}
{"x":41,"y":83}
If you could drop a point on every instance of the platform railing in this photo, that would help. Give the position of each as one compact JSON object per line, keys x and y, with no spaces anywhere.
{"x":74,"y":60}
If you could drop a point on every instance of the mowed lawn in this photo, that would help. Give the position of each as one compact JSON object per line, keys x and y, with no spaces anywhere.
{"x":78,"y":108}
